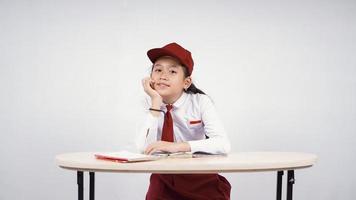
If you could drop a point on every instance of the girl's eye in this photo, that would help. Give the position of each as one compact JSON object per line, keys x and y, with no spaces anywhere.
{"x":173,"y":72}
{"x":158,"y":70}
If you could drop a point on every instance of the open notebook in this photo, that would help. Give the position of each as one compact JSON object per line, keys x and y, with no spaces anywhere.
{"x":127,"y":156}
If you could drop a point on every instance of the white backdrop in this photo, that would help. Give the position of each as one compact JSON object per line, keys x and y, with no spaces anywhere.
{"x":281,"y":73}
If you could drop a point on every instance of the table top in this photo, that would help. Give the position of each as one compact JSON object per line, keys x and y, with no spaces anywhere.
{"x":233,"y":162}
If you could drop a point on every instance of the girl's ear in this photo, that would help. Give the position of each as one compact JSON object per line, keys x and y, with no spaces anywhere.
{"x":187,"y":82}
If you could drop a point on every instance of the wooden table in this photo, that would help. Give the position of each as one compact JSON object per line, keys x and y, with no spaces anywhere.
{"x":234,"y":162}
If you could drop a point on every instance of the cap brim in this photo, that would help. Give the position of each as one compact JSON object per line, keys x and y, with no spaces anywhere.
{"x":156,"y":53}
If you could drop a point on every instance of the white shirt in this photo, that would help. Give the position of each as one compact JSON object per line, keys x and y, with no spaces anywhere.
{"x":194,"y":118}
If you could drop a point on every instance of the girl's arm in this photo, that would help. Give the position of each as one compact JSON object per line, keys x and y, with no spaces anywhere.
{"x":147,"y":133}
{"x":171,"y":147}
{"x":218,"y":141}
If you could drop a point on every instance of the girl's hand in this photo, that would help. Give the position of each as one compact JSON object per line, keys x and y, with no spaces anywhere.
{"x":167,"y":147}
{"x":148,"y":87}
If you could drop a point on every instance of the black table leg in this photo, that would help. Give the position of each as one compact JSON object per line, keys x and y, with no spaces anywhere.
{"x":290,"y":183}
{"x":80,"y":182}
{"x":279,"y":185}
{"x":92,"y":186}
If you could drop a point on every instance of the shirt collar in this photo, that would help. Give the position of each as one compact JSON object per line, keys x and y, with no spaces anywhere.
{"x":179,"y":101}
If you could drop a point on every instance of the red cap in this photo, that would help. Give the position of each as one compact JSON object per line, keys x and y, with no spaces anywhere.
{"x":176,"y":51}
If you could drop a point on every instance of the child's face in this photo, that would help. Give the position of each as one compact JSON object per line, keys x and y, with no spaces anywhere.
{"x":169,"y":79}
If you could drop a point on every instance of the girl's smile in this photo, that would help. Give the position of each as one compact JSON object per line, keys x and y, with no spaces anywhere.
{"x":162,"y":85}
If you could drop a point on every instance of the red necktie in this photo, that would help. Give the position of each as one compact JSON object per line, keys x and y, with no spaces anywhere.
{"x":167,"y":130}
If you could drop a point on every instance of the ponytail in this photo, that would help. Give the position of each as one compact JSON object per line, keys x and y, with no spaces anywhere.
{"x":193,"y":90}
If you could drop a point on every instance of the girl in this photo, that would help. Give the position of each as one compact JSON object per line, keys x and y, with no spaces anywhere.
{"x":180,"y":118}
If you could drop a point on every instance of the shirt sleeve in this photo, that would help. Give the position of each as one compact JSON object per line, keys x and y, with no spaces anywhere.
{"x":147,"y":130}
{"x":218,"y":141}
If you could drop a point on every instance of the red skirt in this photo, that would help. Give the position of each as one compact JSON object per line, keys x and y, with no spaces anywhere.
{"x":188,"y":187}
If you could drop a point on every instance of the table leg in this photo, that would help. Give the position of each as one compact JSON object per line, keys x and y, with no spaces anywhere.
{"x":279,"y":185}
{"x":92,"y":186}
{"x":290,"y":183}
{"x":80,"y":182}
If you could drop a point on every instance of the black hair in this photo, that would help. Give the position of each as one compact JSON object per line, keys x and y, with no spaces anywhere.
{"x":192,"y":88}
